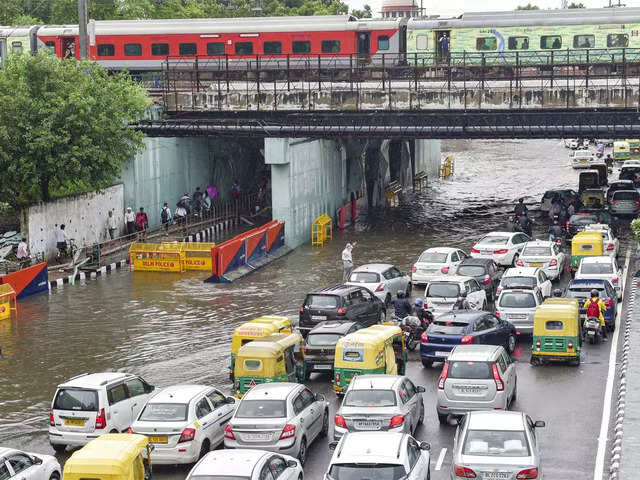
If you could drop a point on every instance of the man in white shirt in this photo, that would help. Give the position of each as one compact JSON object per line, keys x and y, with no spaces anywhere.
{"x":111,"y":224}
{"x":23,"y":249}
{"x":130,"y":221}
{"x":61,"y":239}
{"x":347,"y":262}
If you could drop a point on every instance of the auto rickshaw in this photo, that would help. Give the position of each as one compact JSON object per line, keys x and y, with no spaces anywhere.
{"x":585,"y":244}
{"x":256,"y":328}
{"x":588,"y":179}
{"x":603,"y":173}
{"x":113,"y":456}
{"x":621,"y":151}
{"x":275,"y":358}
{"x":634,"y":144}
{"x":556,"y":332}
{"x":593,"y":197}
{"x":375,"y":349}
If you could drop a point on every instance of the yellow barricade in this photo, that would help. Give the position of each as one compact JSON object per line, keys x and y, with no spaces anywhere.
{"x":447,"y":167}
{"x":8,"y":302}
{"x":197,"y":255}
{"x":157,"y":257}
{"x":321,"y":230}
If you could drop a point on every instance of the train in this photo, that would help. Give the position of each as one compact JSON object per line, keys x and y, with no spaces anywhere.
{"x":504,"y":38}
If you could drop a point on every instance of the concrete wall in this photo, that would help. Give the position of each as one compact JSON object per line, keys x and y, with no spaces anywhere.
{"x":427,"y":157}
{"x":84,"y":217}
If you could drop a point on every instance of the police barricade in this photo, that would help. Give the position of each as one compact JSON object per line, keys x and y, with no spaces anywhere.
{"x":157,"y":257}
{"x":198,"y":255}
{"x":275,"y":236}
{"x":8,"y":301}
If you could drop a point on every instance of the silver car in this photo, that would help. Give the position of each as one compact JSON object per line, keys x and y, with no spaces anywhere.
{"x":476,"y":377}
{"x":278,"y":417}
{"x":383,"y":279}
{"x":496,"y":445}
{"x":625,"y":202}
{"x":380,"y":403}
{"x":517,"y":306}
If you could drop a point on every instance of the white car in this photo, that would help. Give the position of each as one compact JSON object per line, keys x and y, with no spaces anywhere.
{"x":573,"y":143}
{"x":441,"y":293}
{"x":517,"y":307}
{"x":184,"y":422}
{"x":604,"y":267}
{"x":383,"y":279}
{"x":544,"y":255}
{"x":89,"y":405}
{"x":435,"y":262}
{"x":17,"y":465}
{"x":526,"y":278}
{"x":582,"y":159}
{"x":245,"y":464}
{"x":502,"y":247}
{"x":610,"y":243}
{"x":379,"y":455}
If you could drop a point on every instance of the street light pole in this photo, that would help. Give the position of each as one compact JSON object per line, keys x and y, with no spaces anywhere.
{"x":82,"y":29}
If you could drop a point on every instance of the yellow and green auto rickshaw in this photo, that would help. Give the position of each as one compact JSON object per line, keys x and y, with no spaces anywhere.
{"x":375,"y":349}
{"x":592,"y":197}
{"x":585,"y":244}
{"x":634,"y":144}
{"x":275,"y":358}
{"x":556,"y":332}
{"x":113,"y":456}
{"x":256,"y":328}
{"x":621,"y":151}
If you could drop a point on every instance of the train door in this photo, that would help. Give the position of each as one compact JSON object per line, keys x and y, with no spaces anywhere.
{"x":364,"y":43}
{"x":68,"y":47}
{"x":443,"y":44}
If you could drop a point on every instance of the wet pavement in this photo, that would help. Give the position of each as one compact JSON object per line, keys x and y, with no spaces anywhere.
{"x":173,"y":328}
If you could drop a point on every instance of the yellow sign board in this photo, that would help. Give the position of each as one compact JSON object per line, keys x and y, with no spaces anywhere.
{"x":156,"y":257}
{"x":7,"y":301}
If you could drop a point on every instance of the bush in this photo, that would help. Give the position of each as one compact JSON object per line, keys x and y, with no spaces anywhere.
{"x":635,"y":228}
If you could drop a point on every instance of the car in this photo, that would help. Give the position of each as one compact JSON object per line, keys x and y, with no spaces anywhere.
{"x":246,"y":464}
{"x":88,"y":405}
{"x":441,"y":293}
{"x":476,"y":377}
{"x":19,"y":465}
{"x":484,"y":270}
{"x":435,"y":262}
{"x":610,"y":243}
{"x":545,"y":255}
{"x":625,"y":202}
{"x":630,"y":171}
{"x":383,"y":279}
{"x":573,"y":143}
{"x":581,"y":289}
{"x":618,"y":185}
{"x":526,"y":278}
{"x":502,"y":247}
{"x":582,"y":159}
{"x":341,"y":303}
{"x":184,"y":422}
{"x":517,"y":306}
{"x":379,"y":455}
{"x":566,"y":194}
{"x":578,"y":222}
{"x":464,"y":327}
{"x":278,"y":417}
{"x":381,"y":403}
{"x":603,"y":216}
{"x":320,"y":345}
{"x":496,"y":444}
{"x":601,"y":267}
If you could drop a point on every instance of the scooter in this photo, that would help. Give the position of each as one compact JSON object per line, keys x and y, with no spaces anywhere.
{"x":593,"y":330}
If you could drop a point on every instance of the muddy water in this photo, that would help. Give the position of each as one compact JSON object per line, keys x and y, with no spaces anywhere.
{"x":174,"y":328}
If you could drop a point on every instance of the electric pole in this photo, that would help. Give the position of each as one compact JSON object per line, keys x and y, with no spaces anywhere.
{"x":82,"y":29}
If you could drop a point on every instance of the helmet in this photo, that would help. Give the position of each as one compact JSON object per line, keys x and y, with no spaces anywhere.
{"x":557,"y":292}
{"x":400,"y":294}
{"x":595,"y":293}
{"x":418,"y":302}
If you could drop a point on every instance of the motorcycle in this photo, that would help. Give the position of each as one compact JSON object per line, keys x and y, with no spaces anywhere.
{"x":412,"y":329}
{"x":593,"y":330}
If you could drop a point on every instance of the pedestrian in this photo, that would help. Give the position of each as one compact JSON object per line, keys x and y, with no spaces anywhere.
{"x":23,"y":249}
{"x":111,"y":224}
{"x":185,"y":202}
{"x":235,"y":189}
{"x":61,"y":241}
{"x":444,"y":46}
{"x":181,"y":216}
{"x":197,"y":200}
{"x":207,"y":201}
{"x":347,"y":261}
{"x":130,"y":221}
{"x":165,"y":217}
{"x":142,"y":221}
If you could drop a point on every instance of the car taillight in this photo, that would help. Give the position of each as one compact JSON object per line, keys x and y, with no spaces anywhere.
{"x":538,"y":344}
{"x":129,"y":430}
{"x":301,"y":309}
{"x":463,"y":472}
{"x":520,"y":262}
{"x":342,"y":311}
{"x":187,"y":435}
{"x":475,"y":250}
{"x":497,"y":314}
{"x":238,"y":385}
{"x":610,"y":246}
{"x":52,"y":420}
{"x":553,"y":262}
{"x":288,"y":431}
{"x":228,"y":432}
{"x":528,"y":473}
{"x":608,"y":302}
{"x":614,"y":281}
{"x":101,"y":420}
{"x":570,"y":344}
{"x":340,"y":421}
{"x":637,"y":202}
{"x":380,"y":287}
{"x":443,"y":376}
{"x":613,"y":202}
{"x":496,"y":377}
{"x":338,"y":378}
{"x":396,"y":421}
{"x":466,"y":339}
{"x":424,"y":337}
{"x":502,"y":251}
{"x":487,"y":280}
{"x":414,"y":269}
{"x":444,"y":269}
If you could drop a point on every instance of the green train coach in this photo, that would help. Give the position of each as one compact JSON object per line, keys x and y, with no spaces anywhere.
{"x":527,"y":37}
{"x":17,"y":41}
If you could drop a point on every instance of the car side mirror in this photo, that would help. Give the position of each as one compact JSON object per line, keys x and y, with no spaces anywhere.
{"x":539,"y":424}
{"x":292,"y":463}
{"x":230,"y":400}
{"x":333,"y":445}
{"x":425,"y":446}
{"x":420,"y":389}
{"x":36,"y":460}
{"x":320,"y":397}
{"x":149,"y":388}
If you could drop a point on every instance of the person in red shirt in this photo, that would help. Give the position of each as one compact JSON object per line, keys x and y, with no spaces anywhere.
{"x":142,"y":221}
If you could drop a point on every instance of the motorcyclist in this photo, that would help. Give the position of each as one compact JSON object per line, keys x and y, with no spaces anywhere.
{"x":555,"y":232}
{"x":521,"y":208}
{"x":557,"y":292}
{"x":590,"y":306}
{"x":525,"y":223}
{"x":609,"y":160}
{"x":421,"y":313}
{"x":462,"y":303}
{"x":401,"y":305}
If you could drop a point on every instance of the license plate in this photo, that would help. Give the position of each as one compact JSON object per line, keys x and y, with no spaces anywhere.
{"x":517,"y":317}
{"x":318,"y":317}
{"x":323,"y":367}
{"x":535,"y":264}
{"x":487,"y":252}
{"x":367,"y":425}
{"x":442,"y":354}
{"x":583,"y":160}
{"x":257,"y":437}
{"x":159,"y":439}
{"x":591,"y":333}
{"x":496,"y":475}
{"x":74,"y":422}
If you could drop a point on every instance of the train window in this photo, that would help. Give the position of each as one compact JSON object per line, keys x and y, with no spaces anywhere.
{"x":106,"y":50}
{"x":486,"y":43}
{"x":16,"y":47}
{"x":188,"y":49}
{"x":244,"y":48}
{"x":383,"y":42}
{"x":584,"y":41}
{"x":421,"y":42}
{"x":301,"y":47}
{"x":331,"y":46}
{"x":548,"y":42}
{"x":518,"y":43}
{"x":51,"y":46}
{"x":215,"y":48}
{"x":132,"y":49}
{"x":272,"y":48}
{"x":617,"y":40}
{"x":160,"y":49}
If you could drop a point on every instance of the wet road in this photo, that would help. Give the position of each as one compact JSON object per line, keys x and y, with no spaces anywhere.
{"x":176,"y":329}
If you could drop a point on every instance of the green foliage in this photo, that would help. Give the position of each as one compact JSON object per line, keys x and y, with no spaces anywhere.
{"x":364,"y":13}
{"x":528,"y":6}
{"x":63,"y":127}
{"x":576,"y":5}
{"x":635,"y":228}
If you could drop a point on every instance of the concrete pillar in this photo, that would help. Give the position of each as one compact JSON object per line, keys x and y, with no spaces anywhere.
{"x":427,"y":157}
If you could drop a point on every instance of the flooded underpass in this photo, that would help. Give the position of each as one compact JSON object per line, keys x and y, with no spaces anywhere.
{"x":172,"y":328}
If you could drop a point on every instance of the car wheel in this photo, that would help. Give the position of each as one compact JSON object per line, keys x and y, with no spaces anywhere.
{"x":511,"y":343}
{"x":58,"y":448}
{"x":515,"y":259}
{"x":387,"y":299}
{"x":576,"y":361}
{"x":204,"y":449}
{"x":427,"y":363}
{"x":443,"y":419}
{"x":383,"y":316}
{"x":514,"y":397}
{"x":54,"y":476}
{"x":421,"y":418}
{"x":325,"y":424}
{"x":302,"y":453}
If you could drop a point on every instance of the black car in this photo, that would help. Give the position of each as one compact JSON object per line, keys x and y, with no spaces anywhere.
{"x":484,"y":270}
{"x":578,"y":222}
{"x":320,"y":345}
{"x":342,"y":303}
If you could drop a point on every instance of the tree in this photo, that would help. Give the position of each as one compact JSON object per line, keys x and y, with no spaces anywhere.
{"x":364,"y":13}
{"x":64,"y":127}
{"x":576,"y":5}
{"x":528,"y":6}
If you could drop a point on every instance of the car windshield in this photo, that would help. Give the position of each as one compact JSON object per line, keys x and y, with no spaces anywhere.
{"x":322,"y":301}
{"x":518,"y":282}
{"x":447,"y":328}
{"x":583,"y":219}
{"x":361,"y":471}
{"x":370,"y":398}
{"x":262,"y":409}
{"x":217,"y":477}
{"x":76,"y":399}
{"x":364,"y":277}
{"x":536,"y":251}
{"x":596,"y":268}
{"x":496,"y":443}
{"x":494,"y":240}
{"x":444,"y":290}
{"x":471,"y":370}
{"x":164,"y":412}
{"x":625,"y":195}
{"x":517,"y":300}
{"x":323,"y":339}
{"x":432,"y":257}
{"x":585,"y":292}
{"x":471,"y":270}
